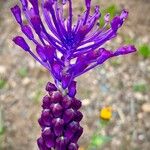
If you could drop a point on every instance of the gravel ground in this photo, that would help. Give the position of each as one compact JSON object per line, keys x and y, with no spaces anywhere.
{"x":109,"y":85}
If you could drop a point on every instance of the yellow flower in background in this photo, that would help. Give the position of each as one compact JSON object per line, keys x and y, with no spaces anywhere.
{"x":106,"y":113}
{"x":81,"y":148}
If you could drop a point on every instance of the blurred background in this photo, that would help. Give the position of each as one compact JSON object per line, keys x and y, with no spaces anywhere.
{"x":122,"y":83}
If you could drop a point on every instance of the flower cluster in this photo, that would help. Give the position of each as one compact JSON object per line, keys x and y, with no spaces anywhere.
{"x":67,"y":49}
{"x":60,"y":121}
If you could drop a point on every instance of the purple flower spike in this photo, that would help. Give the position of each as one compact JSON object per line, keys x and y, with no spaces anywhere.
{"x":67,"y":49}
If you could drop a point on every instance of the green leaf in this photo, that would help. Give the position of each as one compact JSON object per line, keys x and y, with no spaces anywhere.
{"x":140,"y":88}
{"x":144,"y":50}
{"x":2,"y":127}
{"x":2,"y":83}
{"x":112,"y":10}
{"x":99,"y":140}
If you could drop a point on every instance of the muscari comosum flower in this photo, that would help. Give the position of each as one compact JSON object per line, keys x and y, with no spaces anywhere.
{"x":67,"y":49}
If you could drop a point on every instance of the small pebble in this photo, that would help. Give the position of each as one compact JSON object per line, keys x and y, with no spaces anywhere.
{"x":26,"y":81}
{"x":146,"y":107}
{"x":2,"y":69}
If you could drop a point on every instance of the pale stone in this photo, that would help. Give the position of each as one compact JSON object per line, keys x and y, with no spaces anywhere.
{"x":146,"y":107}
{"x":85,"y":102}
{"x":26,"y":81}
{"x":2,"y":69}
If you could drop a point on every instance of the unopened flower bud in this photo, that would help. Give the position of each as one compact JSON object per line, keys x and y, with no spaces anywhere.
{"x":56,"y":96}
{"x":66,"y":102}
{"x":56,"y":109}
{"x":58,"y":126}
{"x":68,"y":115}
{"x":50,"y":87}
{"x":46,"y":117}
{"x":61,"y":143}
{"x":48,"y":137}
{"x":76,"y":104}
{"x":41,"y":144}
{"x":71,"y":129}
{"x":77,"y":135}
{"x":46,"y":102}
{"x":78,"y":116}
{"x":73,"y":146}
{"x":41,"y":123}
